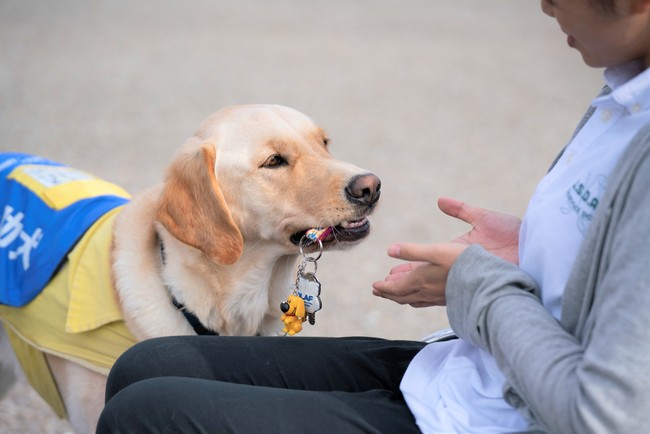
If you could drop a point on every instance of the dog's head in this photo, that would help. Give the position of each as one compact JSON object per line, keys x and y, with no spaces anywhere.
{"x":294,"y":306}
{"x":263,"y":174}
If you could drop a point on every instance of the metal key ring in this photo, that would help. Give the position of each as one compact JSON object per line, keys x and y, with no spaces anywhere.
{"x":310,"y":258}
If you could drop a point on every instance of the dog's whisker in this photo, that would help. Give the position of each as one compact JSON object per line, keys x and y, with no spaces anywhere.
{"x":252,"y":247}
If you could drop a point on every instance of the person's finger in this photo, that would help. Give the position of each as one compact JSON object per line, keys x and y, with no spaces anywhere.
{"x":411,"y":297}
{"x":417,"y":252}
{"x":398,"y":285}
{"x":393,"y":285}
{"x":460,"y":210}
{"x":414,"y":297}
{"x":405,"y":267}
{"x":396,"y":276}
{"x":408,"y":290}
{"x":425,"y":304}
{"x":450,"y":206}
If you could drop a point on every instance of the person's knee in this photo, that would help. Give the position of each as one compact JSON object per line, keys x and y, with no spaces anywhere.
{"x":135,"y":364}
{"x":161,"y":404}
{"x":130,"y":410}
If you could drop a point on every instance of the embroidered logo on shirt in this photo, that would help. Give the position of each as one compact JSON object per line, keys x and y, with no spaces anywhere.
{"x":583,"y":198}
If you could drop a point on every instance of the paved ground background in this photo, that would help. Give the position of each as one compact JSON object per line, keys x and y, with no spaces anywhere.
{"x":469,"y":99}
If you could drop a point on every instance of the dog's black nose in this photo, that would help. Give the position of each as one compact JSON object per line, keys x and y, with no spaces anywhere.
{"x":284,"y":307}
{"x":364,"y":189}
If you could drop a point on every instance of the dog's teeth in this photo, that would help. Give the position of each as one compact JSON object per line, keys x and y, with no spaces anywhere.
{"x":354,"y":223}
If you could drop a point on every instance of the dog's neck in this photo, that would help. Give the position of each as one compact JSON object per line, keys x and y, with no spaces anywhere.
{"x":241,"y":291}
{"x":194,"y":321}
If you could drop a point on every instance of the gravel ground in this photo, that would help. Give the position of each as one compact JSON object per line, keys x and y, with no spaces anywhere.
{"x":469,"y":99}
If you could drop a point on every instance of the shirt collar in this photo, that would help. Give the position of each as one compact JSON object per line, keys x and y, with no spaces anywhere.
{"x":630,"y":85}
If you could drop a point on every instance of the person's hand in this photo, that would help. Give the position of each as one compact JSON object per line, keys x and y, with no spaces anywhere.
{"x":496,"y":232}
{"x":422,"y":281}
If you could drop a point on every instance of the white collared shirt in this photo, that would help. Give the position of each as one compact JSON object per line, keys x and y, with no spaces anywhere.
{"x":565,"y":200}
{"x":455,"y":386}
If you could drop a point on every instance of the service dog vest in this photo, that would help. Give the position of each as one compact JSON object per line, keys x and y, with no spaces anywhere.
{"x":76,"y":317}
{"x":45,"y":208}
{"x":56,"y":293}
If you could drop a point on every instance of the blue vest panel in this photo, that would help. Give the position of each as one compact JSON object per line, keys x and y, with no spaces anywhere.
{"x":45,"y":208}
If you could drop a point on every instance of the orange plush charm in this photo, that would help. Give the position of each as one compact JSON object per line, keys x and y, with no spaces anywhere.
{"x":293,"y":314}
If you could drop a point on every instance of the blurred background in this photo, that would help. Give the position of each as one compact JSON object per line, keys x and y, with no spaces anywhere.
{"x":463,"y":98}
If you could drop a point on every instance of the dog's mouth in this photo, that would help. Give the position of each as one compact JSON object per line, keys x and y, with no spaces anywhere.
{"x":345,"y":232}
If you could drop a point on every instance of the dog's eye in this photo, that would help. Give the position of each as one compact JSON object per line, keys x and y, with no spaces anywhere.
{"x":275,"y":161}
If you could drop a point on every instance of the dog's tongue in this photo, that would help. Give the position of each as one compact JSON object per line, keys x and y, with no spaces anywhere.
{"x":318,"y":234}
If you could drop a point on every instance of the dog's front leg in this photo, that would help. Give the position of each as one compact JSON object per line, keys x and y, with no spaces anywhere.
{"x":82,"y":391}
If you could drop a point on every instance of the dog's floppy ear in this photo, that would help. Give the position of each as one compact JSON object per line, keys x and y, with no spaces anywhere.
{"x":192,"y":207}
{"x":300,"y":309}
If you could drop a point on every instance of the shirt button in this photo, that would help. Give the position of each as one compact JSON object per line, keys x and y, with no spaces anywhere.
{"x":606,"y":115}
{"x":636,"y":108}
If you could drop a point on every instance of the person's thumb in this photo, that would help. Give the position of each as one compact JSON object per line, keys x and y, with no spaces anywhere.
{"x":459,"y":209}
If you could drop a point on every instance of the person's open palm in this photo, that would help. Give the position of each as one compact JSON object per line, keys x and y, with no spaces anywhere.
{"x":496,"y":232}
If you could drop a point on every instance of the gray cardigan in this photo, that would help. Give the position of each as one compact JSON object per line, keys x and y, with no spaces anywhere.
{"x":589,"y":372}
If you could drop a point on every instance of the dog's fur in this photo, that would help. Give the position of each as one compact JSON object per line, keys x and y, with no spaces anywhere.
{"x":220,"y":235}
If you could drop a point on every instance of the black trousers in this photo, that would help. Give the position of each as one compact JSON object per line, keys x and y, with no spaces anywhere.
{"x":218,"y":384}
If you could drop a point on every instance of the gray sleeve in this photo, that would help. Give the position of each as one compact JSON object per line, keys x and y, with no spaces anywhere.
{"x":599,"y":382}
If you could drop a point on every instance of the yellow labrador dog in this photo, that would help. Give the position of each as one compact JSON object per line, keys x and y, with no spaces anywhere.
{"x":212,"y":250}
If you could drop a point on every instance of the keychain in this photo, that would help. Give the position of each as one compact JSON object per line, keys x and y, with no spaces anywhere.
{"x":304,"y":301}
